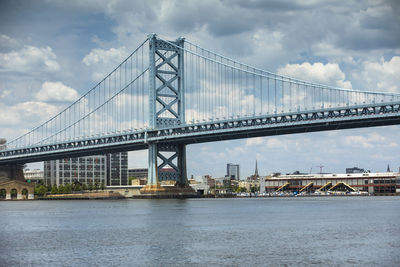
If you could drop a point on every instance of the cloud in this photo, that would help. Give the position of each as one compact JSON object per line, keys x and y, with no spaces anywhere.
{"x":7,"y":43}
{"x":369,"y":141}
{"x":26,"y":114}
{"x":254,"y":141}
{"x":56,"y":91}
{"x":104,"y":60}
{"x":29,"y":59}
{"x":328,"y":74}
{"x":383,"y":75}
{"x":5,"y":93}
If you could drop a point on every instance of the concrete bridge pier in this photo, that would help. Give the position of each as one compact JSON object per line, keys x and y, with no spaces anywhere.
{"x":14,"y":172}
{"x":171,"y":167}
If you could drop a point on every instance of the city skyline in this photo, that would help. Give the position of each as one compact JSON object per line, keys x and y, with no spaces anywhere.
{"x":55,"y":63}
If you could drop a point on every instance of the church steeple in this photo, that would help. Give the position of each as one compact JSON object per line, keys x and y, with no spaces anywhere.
{"x":388,"y":168}
{"x":256,"y":172}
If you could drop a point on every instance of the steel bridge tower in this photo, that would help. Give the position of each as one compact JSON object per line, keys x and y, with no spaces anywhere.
{"x":166,"y":109}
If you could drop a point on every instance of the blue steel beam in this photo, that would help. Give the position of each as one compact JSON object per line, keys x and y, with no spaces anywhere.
{"x":288,"y":123}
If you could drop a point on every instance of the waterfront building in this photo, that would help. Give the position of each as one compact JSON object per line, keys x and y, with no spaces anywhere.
{"x":110,"y":169}
{"x":138,"y":173}
{"x":372,"y":183}
{"x":137,"y":181}
{"x":208,"y":180}
{"x":34,"y":176}
{"x":201,"y":188}
{"x":13,"y":185}
{"x":232,"y":171}
{"x":83,"y":170}
{"x":249,"y":184}
{"x":117,"y":169}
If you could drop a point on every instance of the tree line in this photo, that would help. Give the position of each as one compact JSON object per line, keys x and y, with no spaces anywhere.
{"x":41,"y":190}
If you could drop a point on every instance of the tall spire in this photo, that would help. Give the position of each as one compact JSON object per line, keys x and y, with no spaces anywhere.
{"x":388,"y":168}
{"x":256,"y":172}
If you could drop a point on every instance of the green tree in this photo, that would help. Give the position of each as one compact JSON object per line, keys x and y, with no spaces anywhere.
{"x":90,"y":187}
{"x":40,"y":190}
{"x":54,"y":189}
{"x":61,"y":189}
{"x":77,"y":187}
{"x":67,"y":189}
{"x":241,"y":190}
{"x":102,"y":186}
{"x":84,"y":187}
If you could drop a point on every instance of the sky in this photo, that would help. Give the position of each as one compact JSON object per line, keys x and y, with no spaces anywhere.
{"x":51,"y":51}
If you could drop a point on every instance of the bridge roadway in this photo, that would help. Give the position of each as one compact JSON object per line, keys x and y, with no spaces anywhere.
{"x":268,"y":125}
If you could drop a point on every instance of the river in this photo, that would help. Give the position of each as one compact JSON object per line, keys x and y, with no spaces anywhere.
{"x":329,"y":231}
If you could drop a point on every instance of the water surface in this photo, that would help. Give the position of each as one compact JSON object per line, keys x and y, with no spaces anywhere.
{"x":331,"y":231}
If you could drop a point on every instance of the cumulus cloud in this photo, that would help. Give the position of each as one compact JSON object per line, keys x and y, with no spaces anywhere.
{"x":56,"y":91}
{"x":104,"y":60}
{"x":29,"y":59}
{"x":382,"y":75}
{"x":328,"y":74}
{"x":26,"y":114}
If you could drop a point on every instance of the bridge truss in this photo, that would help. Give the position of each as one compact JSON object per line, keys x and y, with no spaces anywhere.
{"x":167,"y":94}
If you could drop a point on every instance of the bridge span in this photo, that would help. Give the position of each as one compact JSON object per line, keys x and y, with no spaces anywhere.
{"x":168,"y":94}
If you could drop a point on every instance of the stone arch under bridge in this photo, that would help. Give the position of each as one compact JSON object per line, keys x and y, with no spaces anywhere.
{"x":24,"y":190}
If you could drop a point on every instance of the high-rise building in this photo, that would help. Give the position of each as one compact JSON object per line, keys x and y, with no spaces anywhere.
{"x":110,"y":169}
{"x":232,"y":171}
{"x":117,"y":168}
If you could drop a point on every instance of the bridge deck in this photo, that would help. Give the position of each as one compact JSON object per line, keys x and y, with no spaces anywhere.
{"x":280,"y":124}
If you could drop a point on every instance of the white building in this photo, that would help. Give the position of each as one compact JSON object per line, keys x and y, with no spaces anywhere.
{"x":34,"y":176}
{"x":373,"y":183}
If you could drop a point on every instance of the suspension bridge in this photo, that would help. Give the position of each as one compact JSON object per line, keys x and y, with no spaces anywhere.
{"x":168,"y":94}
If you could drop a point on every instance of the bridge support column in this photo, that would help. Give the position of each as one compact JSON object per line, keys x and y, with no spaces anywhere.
{"x":167,"y":162}
{"x":153,"y":183}
{"x":14,"y":172}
